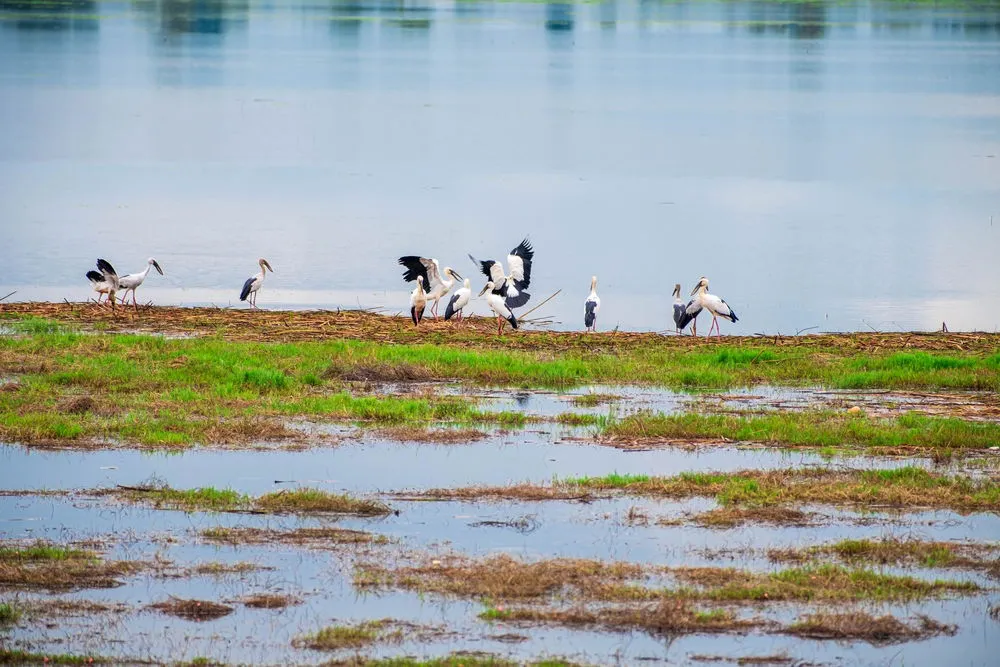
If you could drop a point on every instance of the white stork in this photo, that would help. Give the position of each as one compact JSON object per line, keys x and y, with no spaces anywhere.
{"x":104,"y":280}
{"x":713,"y":304}
{"x":133,"y":280}
{"x":498,"y":304}
{"x":437,"y":283}
{"x":418,"y":301}
{"x":458,"y":301}
{"x":510,"y":287}
{"x":591,"y":306}
{"x":253,"y":283}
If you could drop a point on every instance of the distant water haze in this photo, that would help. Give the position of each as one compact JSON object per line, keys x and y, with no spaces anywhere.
{"x":827,"y":166}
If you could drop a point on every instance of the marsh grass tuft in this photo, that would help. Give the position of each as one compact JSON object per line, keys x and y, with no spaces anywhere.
{"x":9,"y":614}
{"x":193,"y":610}
{"x":316,"y":500}
{"x":314,"y":537}
{"x":55,"y":568}
{"x":861,"y":626}
{"x":822,"y":429}
{"x":338,"y":637}
{"x":891,"y":551}
{"x":270,"y":601}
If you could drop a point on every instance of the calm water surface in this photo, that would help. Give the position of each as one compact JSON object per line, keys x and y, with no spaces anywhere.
{"x":826,"y":165}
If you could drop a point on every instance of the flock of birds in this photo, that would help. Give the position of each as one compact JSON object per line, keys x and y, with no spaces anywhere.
{"x":504,"y":291}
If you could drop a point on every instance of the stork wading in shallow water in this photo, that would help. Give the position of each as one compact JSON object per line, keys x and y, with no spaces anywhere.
{"x":510,"y":287}
{"x":253,"y":283}
{"x":591,"y":306}
{"x":459,"y":300}
{"x":104,"y":281}
{"x":710,"y":302}
{"x":437,"y":283}
{"x":418,"y":301}
{"x":131,"y":281}
{"x":498,"y":304}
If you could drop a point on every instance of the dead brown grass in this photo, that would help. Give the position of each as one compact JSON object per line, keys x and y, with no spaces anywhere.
{"x":377,"y":373}
{"x":439,"y":436}
{"x":499,"y":577}
{"x":270,"y":601}
{"x":776,"y":659}
{"x":193,"y":610}
{"x":221,"y":569}
{"x":276,"y":325}
{"x":728,"y":517}
{"x":67,"y":574}
{"x":525,"y":492}
{"x":314,"y":537}
{"x":861,"y":626}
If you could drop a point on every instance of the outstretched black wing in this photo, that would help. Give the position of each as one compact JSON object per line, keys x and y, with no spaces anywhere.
{"x":516,"y":301}
{"x":94,"y":277}
{"x":414,"y":268}
{"x":519,"y":264}
{"x":245,"y":292}
{"x":105,"y":267}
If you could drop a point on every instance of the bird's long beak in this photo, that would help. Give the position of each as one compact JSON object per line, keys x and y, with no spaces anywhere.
{"x":485,"y":287}
{"x":457,"y":274}
{"x":157,"y":267}
{"x":695,"y":289}
{"x":268,"y":266}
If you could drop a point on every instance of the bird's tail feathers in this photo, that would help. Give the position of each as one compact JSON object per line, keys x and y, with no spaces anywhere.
{"x":512,"y":320}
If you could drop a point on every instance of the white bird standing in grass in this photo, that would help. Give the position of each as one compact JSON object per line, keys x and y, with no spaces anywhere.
{"x":418,"y":301}
{"x":437,"y":283}
{"x":591,"y":306}
{"x":498,"y":304}
{"x":510,"y":287}
{"x":133,"y":280}
{"x":458,"y":301}
{"x":713,"y":304}
{"x":253,"y":283}
{"x":104,"y":281}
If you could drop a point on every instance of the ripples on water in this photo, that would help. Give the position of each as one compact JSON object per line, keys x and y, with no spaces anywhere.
{"x":826,"y":165}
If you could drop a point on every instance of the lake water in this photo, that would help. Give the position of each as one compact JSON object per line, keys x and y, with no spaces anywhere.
{"x":827,"y":165}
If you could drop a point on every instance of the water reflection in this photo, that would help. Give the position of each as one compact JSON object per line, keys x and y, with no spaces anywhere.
{"x":194,"y":17}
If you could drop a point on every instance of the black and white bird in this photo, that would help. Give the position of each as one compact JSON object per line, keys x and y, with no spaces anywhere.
{"x":459,"y":300}
{"x":104,"y":281}
{"x":591,"y":306}
{"x":498,"y":304}
{"x":710,"y":302}
{"x":418,"y":301}
{"x":253,"y":283}
{"x":437,"y":283}
{"x":680,"y":310}
{"x":133,"y":280}
{"x":511,"y":287}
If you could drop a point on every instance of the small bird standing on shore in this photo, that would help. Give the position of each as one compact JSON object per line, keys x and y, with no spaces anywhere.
{"x":458,"y":301}
{"x":253,"y":283}
{"x":591,"y":306}
{"x":498,"y":304}
{"x":418,"y":301}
